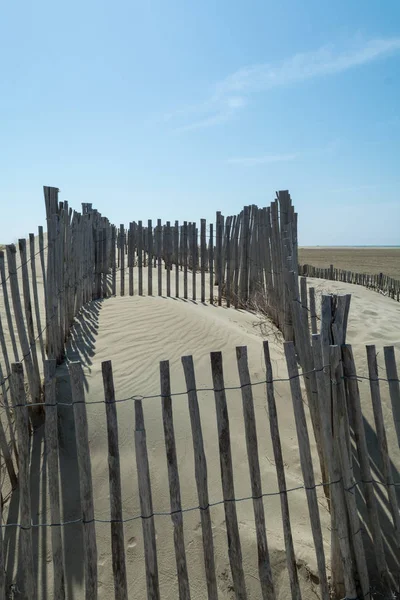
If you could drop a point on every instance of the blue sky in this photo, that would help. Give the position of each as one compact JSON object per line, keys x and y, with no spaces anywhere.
{"x":178,"y":109}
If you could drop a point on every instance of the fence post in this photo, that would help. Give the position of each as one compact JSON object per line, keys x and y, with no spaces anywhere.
{"x":51,"y":434}
{"x":228,"y":489}
{"x":25,"y":534}
{"x":114,"y":471}
{"x":146,"y":505}
{"x":200,"y":467}
{"x":174,"y":485}
{"x":307,"y":465}
{"x":394,"y":387}
{"x":33,"y":379}
{"x":264,"y":565}
{"x":382,"y":440}
{"x":85,"y":477}
{"x":341,"y":440}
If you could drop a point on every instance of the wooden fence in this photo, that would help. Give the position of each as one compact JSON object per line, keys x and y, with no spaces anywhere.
{"x":379,"y":282}
{"x":336,"y":402}
{"x":249,"y":260}
{"x":243,"y":260}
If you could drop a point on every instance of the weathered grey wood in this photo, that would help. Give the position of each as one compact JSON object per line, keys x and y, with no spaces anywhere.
{"x":150,"y":257}
{"x":382,"y":439}
{"x":394,"y":387}
{"x":146,"y":505}
{"x":28,"y":307}
{"x":304,"y":303}
{"x":122,"y":259}
{"x":236,"y":262}
{"x":219,"y":266}
{"x":42,"y":261}
{"x":2,"y":563}
{"x":228,"y":263}
{"x":211,"y":263}
{"x":7,"y":307}
{"x":185,"y":260}
{"x":3,"y":440}
{"x":280,"y":473}
{"x":114,"y":473}
{"x":194,"y":261}
{"x":34,"y":383}
{"x":174,"y":485}
{"x":244,"y":271}
{"x":5,"y":390}
{"x":168,"y":256}
{"x":177,"y":258}
{"x":264,"y":565}
{"x":353,"y":398}
{"x":341,"y":559}
{"x":341,"y":440}
{"x":51,"y":435}
{"x":130,"y":257}
{"x":26,"y":570}
{"x":35,"y":293}
{"x":203,"y":258}
{"x":303,"y":346}
{"x":158,"y":254}
{"x":140,"y":257}
{"x":200,"y":467}
{"x":113,"y":259}
{"x":85,"y":477}
{"x":313,"y":312}
{"x":228,"y":488}
{"x":307,"y":465}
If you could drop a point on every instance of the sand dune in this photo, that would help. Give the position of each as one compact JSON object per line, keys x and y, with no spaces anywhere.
{"x":136,"y":333}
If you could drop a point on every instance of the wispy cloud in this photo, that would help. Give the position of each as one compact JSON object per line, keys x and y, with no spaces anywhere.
{"x":231,"y":94}
{"x":265,"y":159}
{"x":261,"y":160}
{"x":355,"y":188}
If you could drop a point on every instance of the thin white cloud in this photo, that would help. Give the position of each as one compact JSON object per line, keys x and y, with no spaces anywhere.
{"x":261,"y":160}
{"x":230,"y":94}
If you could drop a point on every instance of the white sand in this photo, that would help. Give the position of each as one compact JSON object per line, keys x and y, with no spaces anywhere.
{"x":136,"y":333}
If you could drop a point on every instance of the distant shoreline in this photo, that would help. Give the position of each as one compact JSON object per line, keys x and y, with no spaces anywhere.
{"x":348,"y":247}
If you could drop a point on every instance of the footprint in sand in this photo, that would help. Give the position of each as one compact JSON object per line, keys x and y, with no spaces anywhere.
{"x":132,"y":543}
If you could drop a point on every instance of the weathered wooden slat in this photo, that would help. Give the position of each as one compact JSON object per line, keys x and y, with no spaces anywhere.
{"x":313,"y":312}
{"x":51,"y":435}
{"x":35,"y":293}
{"x":228,"y":488}
{"x":264,"y":565}
{"x":203,"y":258}
{"x":150,"y":257}
{"x":185,"y":260}
{"x":85,"y":478}
{"x":146,"y":505}
{"x":343,"y":583}
{"x":211,"y":263}
{"x":174,"y":484}
{"x":394,"y":386}
{"x":158,"y":255}
{"x":382,"y":439}
{"x":26,"y":570}
{"x":7,"y":307}
{"x":307,"y":466}
{"x":280,"y":473}
{"x":341,"y":438}
{"x":122,"y":258}
{"x":354,"y":404}
{"x":114,"y":473}
{"x":200,"y":466}
{"x":34,"y":383}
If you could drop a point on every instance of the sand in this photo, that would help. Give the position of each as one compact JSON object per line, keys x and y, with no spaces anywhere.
{"x":359,"y":260}
{"x":136,"y":333}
